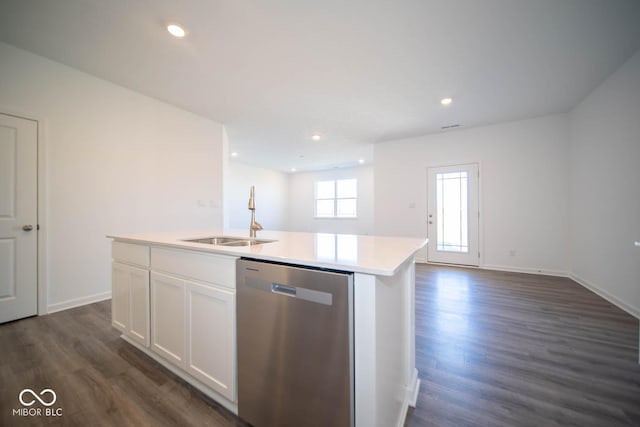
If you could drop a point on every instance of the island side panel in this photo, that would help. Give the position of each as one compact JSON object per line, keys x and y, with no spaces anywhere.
{"x":412,"y":379}
{"x":364,"y":351}
{"x":384,"y":350}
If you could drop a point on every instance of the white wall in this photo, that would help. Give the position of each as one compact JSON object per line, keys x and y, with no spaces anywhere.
{"x":605,"y":187}
{"x":116,"y":162}
{"x":524,"y":189}
{"x":286,"y":201}
{"x":302,"y":202}
{"x":271,"y":196}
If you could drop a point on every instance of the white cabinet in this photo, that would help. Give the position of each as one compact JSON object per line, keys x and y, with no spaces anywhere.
{"x":168,"y":318}
{"x":181,"y":304}
{"x":120,"y":300}
{"x":193,"y":320}
{"x":211,"y":332}
{"x":130,"y":292}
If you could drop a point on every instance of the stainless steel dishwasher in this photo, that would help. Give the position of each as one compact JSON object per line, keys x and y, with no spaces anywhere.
{"x":295,"y":345}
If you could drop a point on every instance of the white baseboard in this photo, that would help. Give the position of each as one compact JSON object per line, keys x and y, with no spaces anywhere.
{"x":413,"y":389}
{"x":510,"y":269}
{"x":526,"y":270}
{"x":634,"y":311}
{"x":411,"y":398}
{"x":77,"y":302}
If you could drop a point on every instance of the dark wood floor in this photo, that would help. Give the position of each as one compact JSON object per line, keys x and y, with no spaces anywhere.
{"x":492,"y":349}
{"x":99,"y":379}
{"x":507,"y":349}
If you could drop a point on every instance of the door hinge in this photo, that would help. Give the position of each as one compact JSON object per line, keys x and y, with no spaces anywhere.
{"x":37,"y":226}
{"x":478,"y":254}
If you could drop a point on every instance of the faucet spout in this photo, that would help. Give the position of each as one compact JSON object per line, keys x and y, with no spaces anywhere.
{"x":252,"y":203}
{"x":254,"y":226}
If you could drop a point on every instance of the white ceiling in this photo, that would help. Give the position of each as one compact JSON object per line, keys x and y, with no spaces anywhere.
{"x":357,"y":71}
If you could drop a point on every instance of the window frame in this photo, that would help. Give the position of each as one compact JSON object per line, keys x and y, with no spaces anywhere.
{"x":335,"y":199}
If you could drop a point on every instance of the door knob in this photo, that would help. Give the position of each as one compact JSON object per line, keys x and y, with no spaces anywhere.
{"x":27,"y":227}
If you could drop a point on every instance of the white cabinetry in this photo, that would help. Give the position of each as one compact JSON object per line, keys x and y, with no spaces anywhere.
{"x":167,"y":318}
{"x":193,"y":315}
{"x":130,"y":291}
{"x":211,"y":351}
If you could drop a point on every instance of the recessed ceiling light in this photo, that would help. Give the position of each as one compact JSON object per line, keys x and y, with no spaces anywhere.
{"x":361,"y":161}
{"x":315,"y":137}
{"x":176,"y":30}
{"x":293,"y":169}
{"x":446,"y":101}
{"x":234,"y":154}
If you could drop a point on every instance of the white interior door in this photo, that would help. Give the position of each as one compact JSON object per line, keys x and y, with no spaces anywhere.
{"x":453,"y":214}
{"x":18,"y":218}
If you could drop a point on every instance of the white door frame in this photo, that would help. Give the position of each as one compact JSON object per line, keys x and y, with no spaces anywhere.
{"x":42,"y":276}
{"x":480,"y":204}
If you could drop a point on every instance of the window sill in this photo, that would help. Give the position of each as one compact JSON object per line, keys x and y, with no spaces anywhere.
{"x":335,"y":217}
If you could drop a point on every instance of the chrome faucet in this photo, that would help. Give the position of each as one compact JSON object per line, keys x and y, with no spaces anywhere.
{"x":254,"y":226}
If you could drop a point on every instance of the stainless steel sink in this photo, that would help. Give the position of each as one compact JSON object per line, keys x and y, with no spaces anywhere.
{"x":246,"y":242}
{"x":217,"y":240}
{"x":229,"y":241}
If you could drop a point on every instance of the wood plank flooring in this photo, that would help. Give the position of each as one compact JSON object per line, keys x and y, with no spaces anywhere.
{"x":492,"y":348}
{"x":508,"y":349}
{"x":99,"y":379}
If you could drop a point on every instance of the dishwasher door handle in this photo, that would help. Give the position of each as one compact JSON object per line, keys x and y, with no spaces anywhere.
{"x":277,"y":288}
{"x":298,"y":292}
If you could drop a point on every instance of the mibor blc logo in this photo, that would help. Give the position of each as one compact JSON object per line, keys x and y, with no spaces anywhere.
{"x":46,"y":398}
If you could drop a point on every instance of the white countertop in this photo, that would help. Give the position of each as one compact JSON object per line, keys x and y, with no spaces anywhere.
{"x":362,"y":254}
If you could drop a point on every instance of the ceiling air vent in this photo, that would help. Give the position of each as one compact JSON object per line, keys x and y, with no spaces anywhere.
{"x":450,"y":126}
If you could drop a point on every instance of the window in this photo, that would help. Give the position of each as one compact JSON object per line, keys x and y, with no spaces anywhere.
{"x":336,"y":199}
{"x":451,"y":216}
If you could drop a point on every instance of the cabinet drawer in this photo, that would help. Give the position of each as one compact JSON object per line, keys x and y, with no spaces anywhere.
{"x":130,"y":253}
{"x":212,"y":268}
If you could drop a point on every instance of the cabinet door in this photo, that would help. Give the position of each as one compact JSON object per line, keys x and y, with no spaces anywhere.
{"x":130,"y":301}
{"x":120,"y":296}
{"x":168,"y":318}
{"x":139,"y":306}
{"x":211,"y":333}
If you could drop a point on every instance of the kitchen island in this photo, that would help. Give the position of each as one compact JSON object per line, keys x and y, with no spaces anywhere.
{"x":175,"y":299}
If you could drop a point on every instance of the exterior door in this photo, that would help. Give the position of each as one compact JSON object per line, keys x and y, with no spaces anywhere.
{"x":18,"y":218}
{"x":453,"y":214}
